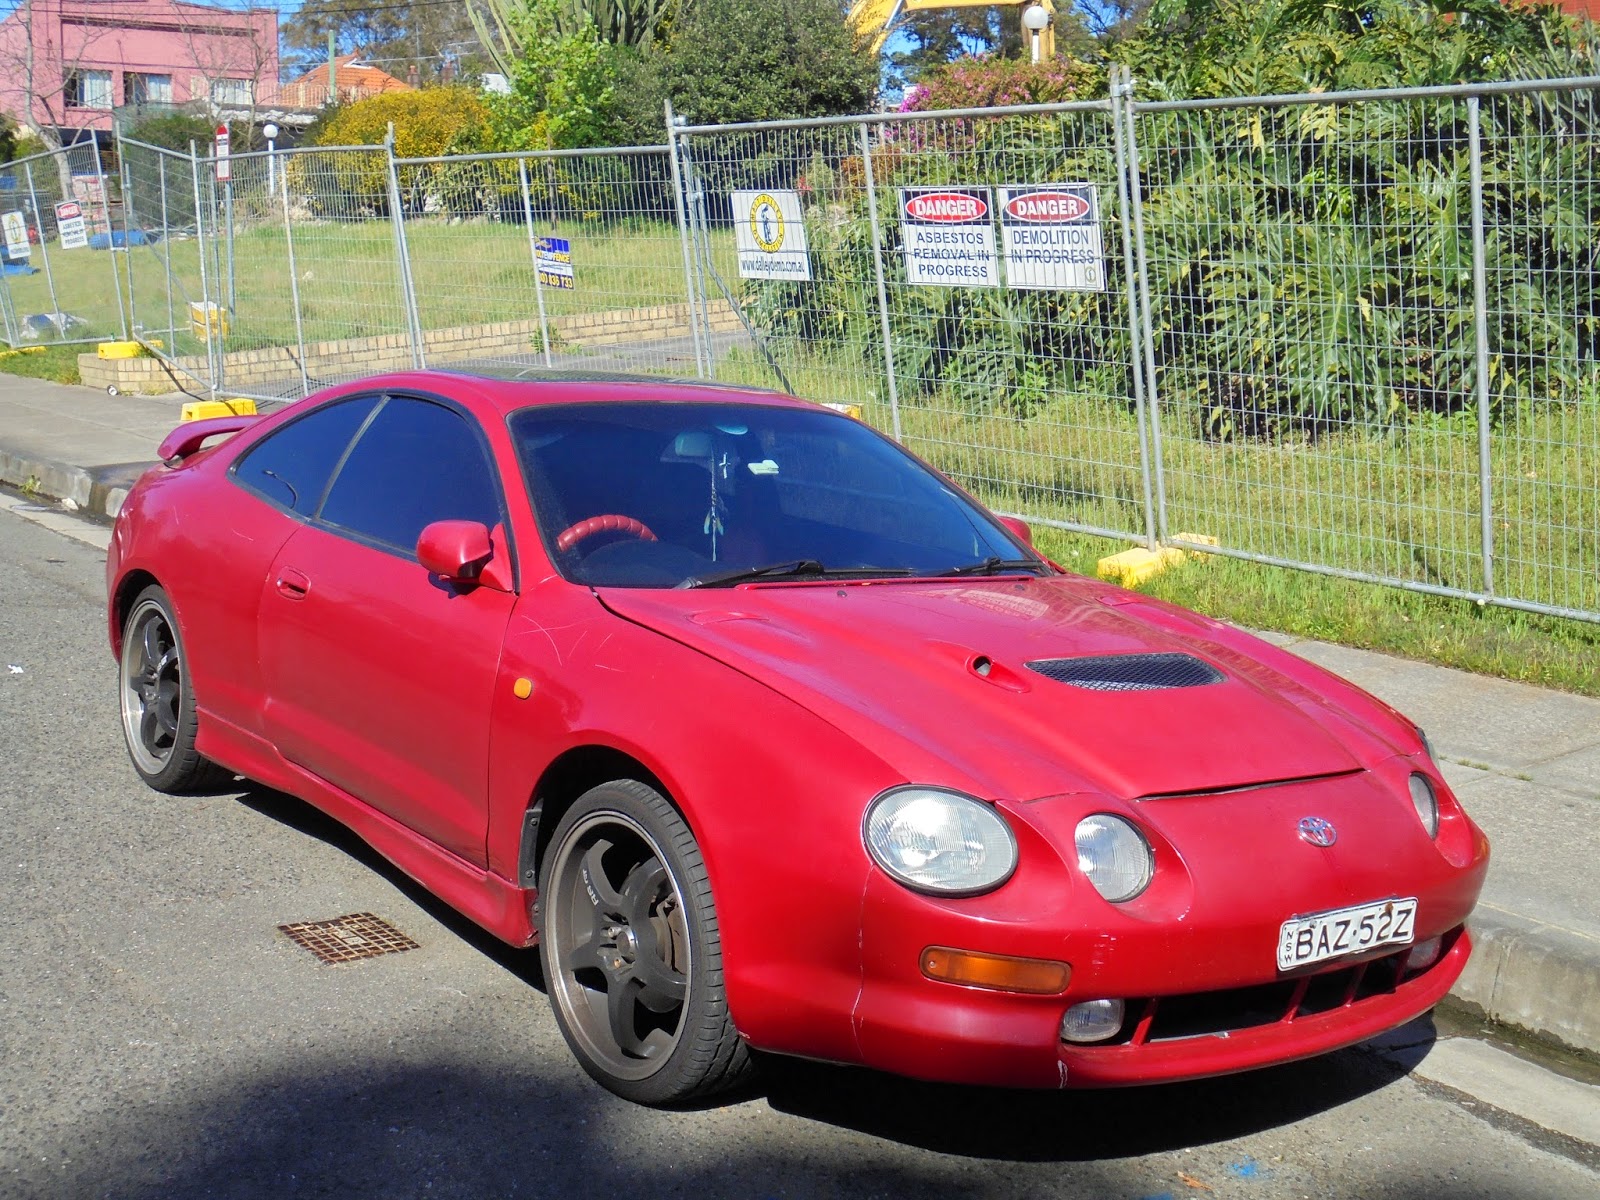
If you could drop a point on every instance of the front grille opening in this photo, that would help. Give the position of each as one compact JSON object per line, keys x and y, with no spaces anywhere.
{"x":348,"y":938}
{"x":1217,"y":1014}
{"x":1129,"y":672}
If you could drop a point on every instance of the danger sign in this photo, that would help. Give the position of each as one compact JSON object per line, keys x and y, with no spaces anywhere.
{"x":70,"y":225}
{"x":948,"y":237}
{"x":1052,"y":237}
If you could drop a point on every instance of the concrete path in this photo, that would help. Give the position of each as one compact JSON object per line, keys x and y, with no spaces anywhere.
{"x":1525,"y":761}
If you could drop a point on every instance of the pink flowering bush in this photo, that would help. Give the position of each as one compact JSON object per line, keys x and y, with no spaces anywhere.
{"x":990,"y":82}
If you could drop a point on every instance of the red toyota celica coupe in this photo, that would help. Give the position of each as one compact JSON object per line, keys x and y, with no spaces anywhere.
{"x":773,"y":739}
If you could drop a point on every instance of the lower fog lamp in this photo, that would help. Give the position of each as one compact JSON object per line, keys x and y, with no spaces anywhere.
{"x":1424,"y":954}
{"x":1092,"y":1021}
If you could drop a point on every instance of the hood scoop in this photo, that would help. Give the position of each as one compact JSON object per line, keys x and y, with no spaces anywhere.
{"x":1129,"y":672}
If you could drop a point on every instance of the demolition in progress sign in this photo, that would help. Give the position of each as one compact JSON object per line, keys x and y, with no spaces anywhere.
{"x":1052,"y":237}
{"x":948,"y":235}
{"x":770,"y":236}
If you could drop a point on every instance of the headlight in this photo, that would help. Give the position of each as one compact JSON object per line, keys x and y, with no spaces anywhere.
{"x":1115,"y":856}
{"x":940,"y":842}
{"x":1426,"y":802}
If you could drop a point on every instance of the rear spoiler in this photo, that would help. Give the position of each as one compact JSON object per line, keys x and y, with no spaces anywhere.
{"x":191,"y":435}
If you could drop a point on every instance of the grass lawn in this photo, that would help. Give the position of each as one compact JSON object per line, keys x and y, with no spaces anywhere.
{"x":59,"y":364}
{"x":348,"y":279}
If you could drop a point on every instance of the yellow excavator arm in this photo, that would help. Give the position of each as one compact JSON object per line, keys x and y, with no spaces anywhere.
{"x":875,"y":19}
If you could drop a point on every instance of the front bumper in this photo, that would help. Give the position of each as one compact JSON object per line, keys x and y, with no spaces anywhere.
{"x":966,"y":1035}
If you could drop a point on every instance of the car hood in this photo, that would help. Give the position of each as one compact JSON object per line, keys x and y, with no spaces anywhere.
{"x":933,"y":677}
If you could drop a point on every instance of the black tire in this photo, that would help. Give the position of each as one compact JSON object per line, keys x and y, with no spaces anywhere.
{"x":631,"y":952}
{"x":158,"y":710}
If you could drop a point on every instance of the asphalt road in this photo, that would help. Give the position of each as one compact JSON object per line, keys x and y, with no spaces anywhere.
{"x":160,"y":1038}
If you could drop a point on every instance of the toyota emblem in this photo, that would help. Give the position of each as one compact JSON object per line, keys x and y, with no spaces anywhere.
{"x":1319,"y":831}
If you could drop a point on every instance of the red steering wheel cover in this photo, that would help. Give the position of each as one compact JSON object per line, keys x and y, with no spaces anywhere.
{"x":605,"y":523}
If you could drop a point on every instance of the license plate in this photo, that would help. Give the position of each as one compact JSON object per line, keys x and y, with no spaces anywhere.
{"x":1317,"y":938}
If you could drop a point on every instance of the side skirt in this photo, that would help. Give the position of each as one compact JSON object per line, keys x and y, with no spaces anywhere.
{"x":495,"y":903}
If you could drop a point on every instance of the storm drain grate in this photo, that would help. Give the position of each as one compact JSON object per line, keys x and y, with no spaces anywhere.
{"x":347,"y":938}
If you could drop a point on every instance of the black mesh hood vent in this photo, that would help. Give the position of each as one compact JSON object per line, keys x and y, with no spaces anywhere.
{"x":1129,"y":672}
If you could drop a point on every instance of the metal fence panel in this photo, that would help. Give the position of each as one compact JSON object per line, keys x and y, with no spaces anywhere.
{"x":1361,"y":316}
{"x":62,"y":290}
{"x":563,"y":260}
{"x":352,"y":314}
{"x":1309,"y":276}
{"x":165,"y":213}
{"x":1020,"y":387}
{"x":1541,"y":250}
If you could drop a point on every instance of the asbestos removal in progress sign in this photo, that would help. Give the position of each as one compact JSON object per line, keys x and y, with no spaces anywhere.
{"x":948,"y":235}
{"x":1052,"y":237}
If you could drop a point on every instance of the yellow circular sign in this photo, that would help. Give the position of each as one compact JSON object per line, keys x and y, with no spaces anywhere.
{"x":766,"y":223}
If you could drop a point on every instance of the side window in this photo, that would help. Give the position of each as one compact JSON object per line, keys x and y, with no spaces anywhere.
{"x":416,"y":463}
{"x":291,"y":467}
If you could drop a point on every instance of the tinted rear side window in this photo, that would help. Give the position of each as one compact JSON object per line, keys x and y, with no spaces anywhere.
{"x":292,"y":466}
{"x":416,"y":463}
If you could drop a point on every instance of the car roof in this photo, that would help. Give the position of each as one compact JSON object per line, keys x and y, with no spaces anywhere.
{"x":510,"y":388}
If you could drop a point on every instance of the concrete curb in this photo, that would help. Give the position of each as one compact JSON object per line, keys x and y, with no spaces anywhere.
{"x":96,"y":492}
{"x":1539,"y":978}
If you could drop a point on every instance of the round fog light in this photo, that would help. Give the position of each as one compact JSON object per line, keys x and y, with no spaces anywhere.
{"x":1092,"y":1021}
{"x":1424,"y":954}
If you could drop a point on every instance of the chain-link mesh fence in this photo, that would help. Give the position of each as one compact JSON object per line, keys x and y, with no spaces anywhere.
{"x":563,"y":259}
{"x":164,"y":213}
{"x":1367,"y":334}
{"x":61,"y":247}
{"x":1540,"y":186}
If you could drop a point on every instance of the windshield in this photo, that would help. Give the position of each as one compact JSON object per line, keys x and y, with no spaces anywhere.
{"x":660,"y":495}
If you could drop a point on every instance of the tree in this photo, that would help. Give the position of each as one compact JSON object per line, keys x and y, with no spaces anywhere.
{"x":393,"y":34}
{"x":751,"y":60}
{"x":509,"y":29}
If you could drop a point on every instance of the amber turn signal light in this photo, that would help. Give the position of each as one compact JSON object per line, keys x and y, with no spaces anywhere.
{"x":1002,"y":972}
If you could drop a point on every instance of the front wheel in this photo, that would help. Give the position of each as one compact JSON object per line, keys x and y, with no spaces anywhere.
{"x":631,"y":951}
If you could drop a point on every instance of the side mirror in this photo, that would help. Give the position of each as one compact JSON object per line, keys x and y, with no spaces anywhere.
{"x":1019,"y":527}
{"x":459,"y":552}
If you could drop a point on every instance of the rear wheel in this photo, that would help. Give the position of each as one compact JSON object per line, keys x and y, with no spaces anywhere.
{"x":631,"y":951}
{"x":158,"y":710}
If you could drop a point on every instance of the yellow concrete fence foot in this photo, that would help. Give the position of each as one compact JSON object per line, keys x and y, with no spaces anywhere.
{"x":199,"y":410}
{"x":1132,"y":567}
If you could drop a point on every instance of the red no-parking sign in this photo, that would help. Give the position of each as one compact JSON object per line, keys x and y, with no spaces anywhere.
{"x":224,"y":167}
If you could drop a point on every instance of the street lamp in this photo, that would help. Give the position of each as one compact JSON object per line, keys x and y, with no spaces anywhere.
{"x":1035,"y":19}
{"x":270,"y":131}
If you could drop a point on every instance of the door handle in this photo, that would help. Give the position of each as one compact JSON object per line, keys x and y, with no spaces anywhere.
{"x":292,"y":583}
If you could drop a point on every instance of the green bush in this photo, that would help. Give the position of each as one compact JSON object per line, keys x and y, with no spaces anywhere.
{"x":175,"y":129}
{"x":427,"y":123}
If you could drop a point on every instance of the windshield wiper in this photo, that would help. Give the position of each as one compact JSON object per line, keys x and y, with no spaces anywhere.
{"x":794,"y":567}
{"x":994,"y":565}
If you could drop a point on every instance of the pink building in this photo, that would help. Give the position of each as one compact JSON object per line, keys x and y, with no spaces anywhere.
{"x":65,"y":64}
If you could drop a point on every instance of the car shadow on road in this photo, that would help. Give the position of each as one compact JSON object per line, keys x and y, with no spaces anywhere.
{"x":305,"y":818}
{"x":1080,"y":1126}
